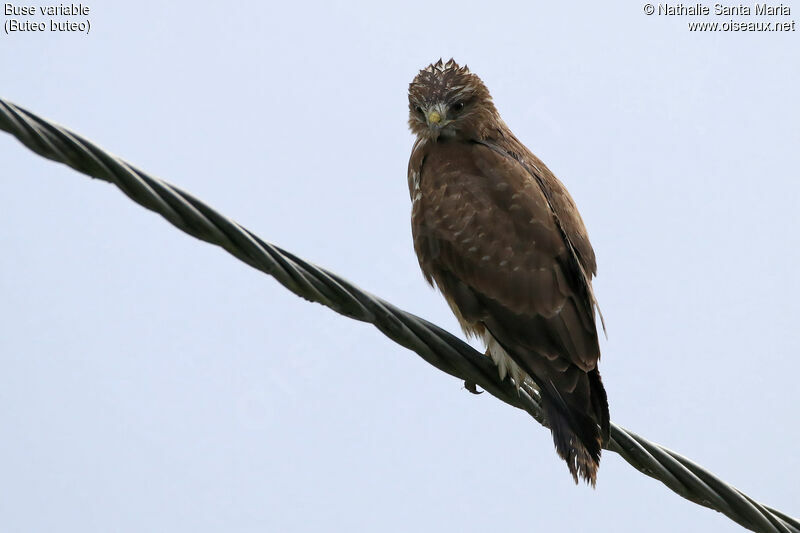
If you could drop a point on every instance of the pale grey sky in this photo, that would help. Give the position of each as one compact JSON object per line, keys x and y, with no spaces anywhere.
{"x":151,"y":382}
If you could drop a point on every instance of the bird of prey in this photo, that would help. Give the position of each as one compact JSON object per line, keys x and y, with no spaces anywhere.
{"x":503,"y":241}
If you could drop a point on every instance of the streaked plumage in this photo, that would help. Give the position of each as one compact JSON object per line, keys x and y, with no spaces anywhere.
{"x":502,"y":239}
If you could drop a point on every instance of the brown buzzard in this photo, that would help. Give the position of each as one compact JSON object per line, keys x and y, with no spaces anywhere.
{"x":503,"y":240}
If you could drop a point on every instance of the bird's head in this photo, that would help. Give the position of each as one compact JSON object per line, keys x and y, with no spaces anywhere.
{"x":448,"y":100}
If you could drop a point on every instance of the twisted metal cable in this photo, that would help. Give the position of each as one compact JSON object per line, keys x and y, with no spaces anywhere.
{"x":435,"y":345}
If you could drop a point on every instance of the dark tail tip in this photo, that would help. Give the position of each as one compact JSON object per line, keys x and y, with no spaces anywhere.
{"x":581,"y":455}
{"x":579,"y":433}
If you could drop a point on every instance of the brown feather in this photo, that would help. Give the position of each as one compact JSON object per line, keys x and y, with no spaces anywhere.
{"x":502,"y":239}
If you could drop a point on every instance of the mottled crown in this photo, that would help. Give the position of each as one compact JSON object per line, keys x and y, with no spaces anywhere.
{"x":446,"y":83}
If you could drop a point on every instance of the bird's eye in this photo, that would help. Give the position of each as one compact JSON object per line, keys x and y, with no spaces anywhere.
{"x":418,"y":109}
{"x":458,"y":106}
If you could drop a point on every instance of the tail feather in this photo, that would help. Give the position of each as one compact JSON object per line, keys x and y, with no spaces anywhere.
{"x":578,"y":433}
{"x":600,"y":403}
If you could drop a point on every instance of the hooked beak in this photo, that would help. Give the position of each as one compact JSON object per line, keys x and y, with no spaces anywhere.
{"x":435,"y":117}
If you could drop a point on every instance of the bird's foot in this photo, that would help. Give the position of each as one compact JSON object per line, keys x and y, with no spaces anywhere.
{"x":472,"y":387}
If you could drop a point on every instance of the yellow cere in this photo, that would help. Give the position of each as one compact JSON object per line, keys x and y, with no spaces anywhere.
{"x":434,"y":117}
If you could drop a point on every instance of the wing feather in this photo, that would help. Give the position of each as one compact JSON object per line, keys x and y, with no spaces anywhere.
{"x":483,"y":220}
